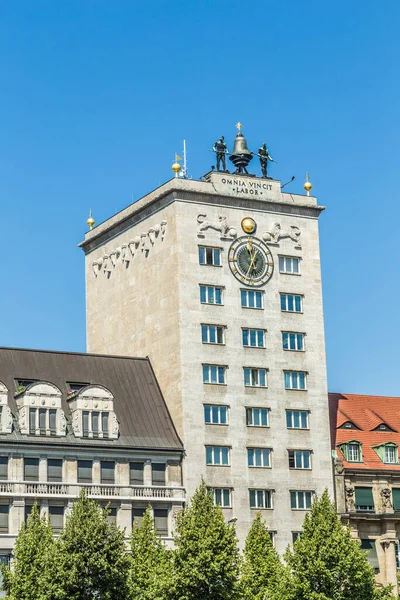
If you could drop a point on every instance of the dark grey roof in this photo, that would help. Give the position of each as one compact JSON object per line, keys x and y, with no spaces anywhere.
{"x":143,"y":416}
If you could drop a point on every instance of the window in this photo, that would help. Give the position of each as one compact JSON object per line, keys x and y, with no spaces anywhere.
{"x":296,"y":535}
{"x":396,"y":498}
{"x":42,"y":421}
{"x":257,"y":417}
{"x":32,"y":421}
{"x":54,"y":469}
{"x":289,"y":265}
{"x":217,"y":455}
{"x":161,"y":521}
{"x":104,"y":424}
{"x":56,"y":516}
{"x":85,"y":423}
{"x":31,"y":469}
{"x":300,"y":500}
{"x":391,"y":455}
{"x":4,"y":510}
{"x":136,"y":473}
{"x":28,"y":510}
{"x":260,"y":498}
{"x":76,"y":386}
{"x":299,"y":459}
{"x":253,"y":338}
{"x":212,"y":334}
{"x":3,"y":468}
{"x":210,"y":294}
{"x":107,"y":472}
{"x":210,"y":256}
{"x":297,"y":419}
{"x":84,"y":471}
{"x":364,"y":499}
{"x":354,"y":452}
{"x":259,"y":457}
{"x":251,"y":299}
{"x":291,"y":303}
{"x":292,"y":341}
{"x":255,"y":377}
{"x":95,"y":424}
{"x":215,"y":414}
{"x":137,"y":516}
{"x":158,"y":473}
{"x":214,"y":374}
{"x":52,"y":421}
{"x":370,"y":547}
{"x":295,"y":380}
{"x":221,"y":496}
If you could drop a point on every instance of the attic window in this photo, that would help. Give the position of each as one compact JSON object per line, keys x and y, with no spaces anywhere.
{"x":352,"y":451}
{"x":75,"y":386}
{"x":348,"y":425}
{"x":23,"y":383}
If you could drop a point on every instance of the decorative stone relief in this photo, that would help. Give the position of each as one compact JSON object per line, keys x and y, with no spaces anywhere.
{"x":7,"y":424}
{"x":349,"y":490}
{"x":76,"y":426}
{"x":125,"y":253}
{"x":386,"y":498}
{"x":63,"y":422}
{"x":222,"y":226}
{"x":114,"y":425}
{"x":22,"y":418}
{"x":276,"y":234}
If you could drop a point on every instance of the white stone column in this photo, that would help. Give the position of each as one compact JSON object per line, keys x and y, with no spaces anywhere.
{"x":43,"y":468}
{"x":147,"y":472}
{"x":70,"y":470}
{"x":44,"y":508}
{"x":124,"y":517}
{"x":122,"y":472}
{"x":96,"y":471}
{"x":390,"y":564}
{"x":16,"y":516}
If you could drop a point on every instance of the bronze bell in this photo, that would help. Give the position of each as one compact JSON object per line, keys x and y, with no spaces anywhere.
{"x":240,"y":156}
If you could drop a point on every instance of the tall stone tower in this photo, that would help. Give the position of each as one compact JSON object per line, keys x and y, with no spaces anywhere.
{"x":218,"y":281}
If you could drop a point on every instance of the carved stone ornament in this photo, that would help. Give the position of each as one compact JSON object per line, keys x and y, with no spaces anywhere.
{"x":277,"y":233}
{"x":9,"y":419}
{"x":76,"y":422}
{"x":63,"y":422}
{"x":122,"y":255}
{"x":386,"y":498}
{"x":22,"y":418}
{"x":349,"y":491}
{"x":339,"y":467}
{"x":222,"y":226}
{"x":114,"y":425}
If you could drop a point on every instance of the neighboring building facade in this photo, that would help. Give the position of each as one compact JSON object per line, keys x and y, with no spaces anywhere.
{"x":236,"y":335}
{"x":71,"y":421}
{"x":365,"y":432}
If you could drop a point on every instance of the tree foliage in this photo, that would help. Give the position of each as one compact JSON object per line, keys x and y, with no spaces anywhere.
{"x":261,"y":566}
{"x":326,"y":563}
{"x":28,"y":577}
{"x":206,"y":558}
{"x":150,"y":565}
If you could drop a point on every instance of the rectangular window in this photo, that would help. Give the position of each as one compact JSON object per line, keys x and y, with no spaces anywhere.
{"x":212,"y":334}
{"x":214,"y":374}
{"x":136,"y":473}
{"x":396,"y":498}
{"x":217,"y":455}
{"x":296,"y":535}
{"x":161,"y":521}
{"x":85,"y":423}
{"x":210,"y":256}
{"x":158,"y":473}
{"x":353,"y":453}
{"x":300,"y":500}
{"x":297,"y":419}
{"x":28,"y":510}
{"x":370,"y":547}
{"x":364,"y":499}
{"x":253,"y":338}
{"x":209,"y":294}
{"x":255,"y":377}
{"x":251,"y":299}
{"x":32,"y":421}
{"x":289,"y":265}
{"x":299,"y":459}
{"x":95,"y":424}
{"x":104,"y":424}
{"x":391,"y":454}
{"x":259,"y":457}
{"x":291,"y":303}
{"x":42,"y":421}
{"x":56,"y":516}
{"x":3,"y":468}
{"x":31,"y":469}
{"x":54,"y":469}
{"x":137,"y":516}
{"x":292,"y":341}
{"x":295,"y":380}
{"x":107,"y":472}
{"x":4,"y":510}
{"x":52,"y":421}
{"x":215,"y":414}
{"x":257,"y":417}
{"x":111,"y":513}
{"x":260,"y":498}
{"x":84,"y":471}
{"x":221,"y":496}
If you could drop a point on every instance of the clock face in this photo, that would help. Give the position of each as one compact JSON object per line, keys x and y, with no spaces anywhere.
{"x":251,"y":261}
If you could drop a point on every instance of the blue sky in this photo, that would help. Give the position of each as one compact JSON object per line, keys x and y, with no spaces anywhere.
{"x":96,"y":96}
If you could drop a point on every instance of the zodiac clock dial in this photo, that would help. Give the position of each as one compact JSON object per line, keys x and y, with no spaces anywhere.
{"x":251,"y":261}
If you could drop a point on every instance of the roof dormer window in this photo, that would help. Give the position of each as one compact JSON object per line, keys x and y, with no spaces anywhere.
{"x":352,"y":451}
{"x":388,"y":453}
{"x":39,"y":409}
{"x":93,"y":413}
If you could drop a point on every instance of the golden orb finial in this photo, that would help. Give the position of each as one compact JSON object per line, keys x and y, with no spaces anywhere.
{"x":307,"y":185}
{"x":248,"y":225}
{"x":176,"y":167}
{"x":90,"y":220}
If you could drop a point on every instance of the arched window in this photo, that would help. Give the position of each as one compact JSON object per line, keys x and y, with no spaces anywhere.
{"x":39,"y":409}
{"x":93,"y":415}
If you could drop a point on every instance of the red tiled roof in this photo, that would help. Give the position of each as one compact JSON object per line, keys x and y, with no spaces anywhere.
{"x":366,"y":413}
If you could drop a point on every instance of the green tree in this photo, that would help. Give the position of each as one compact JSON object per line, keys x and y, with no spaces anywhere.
{"x":150,"y":562}
{"x":92,"y":555}
{"x":206,"y":556}
{"x":30,"y":572}
{"x":261,"y":566}
{"x":326,"y":563}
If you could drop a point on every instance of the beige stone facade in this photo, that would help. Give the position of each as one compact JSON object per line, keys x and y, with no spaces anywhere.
{"x":143,"y":281}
